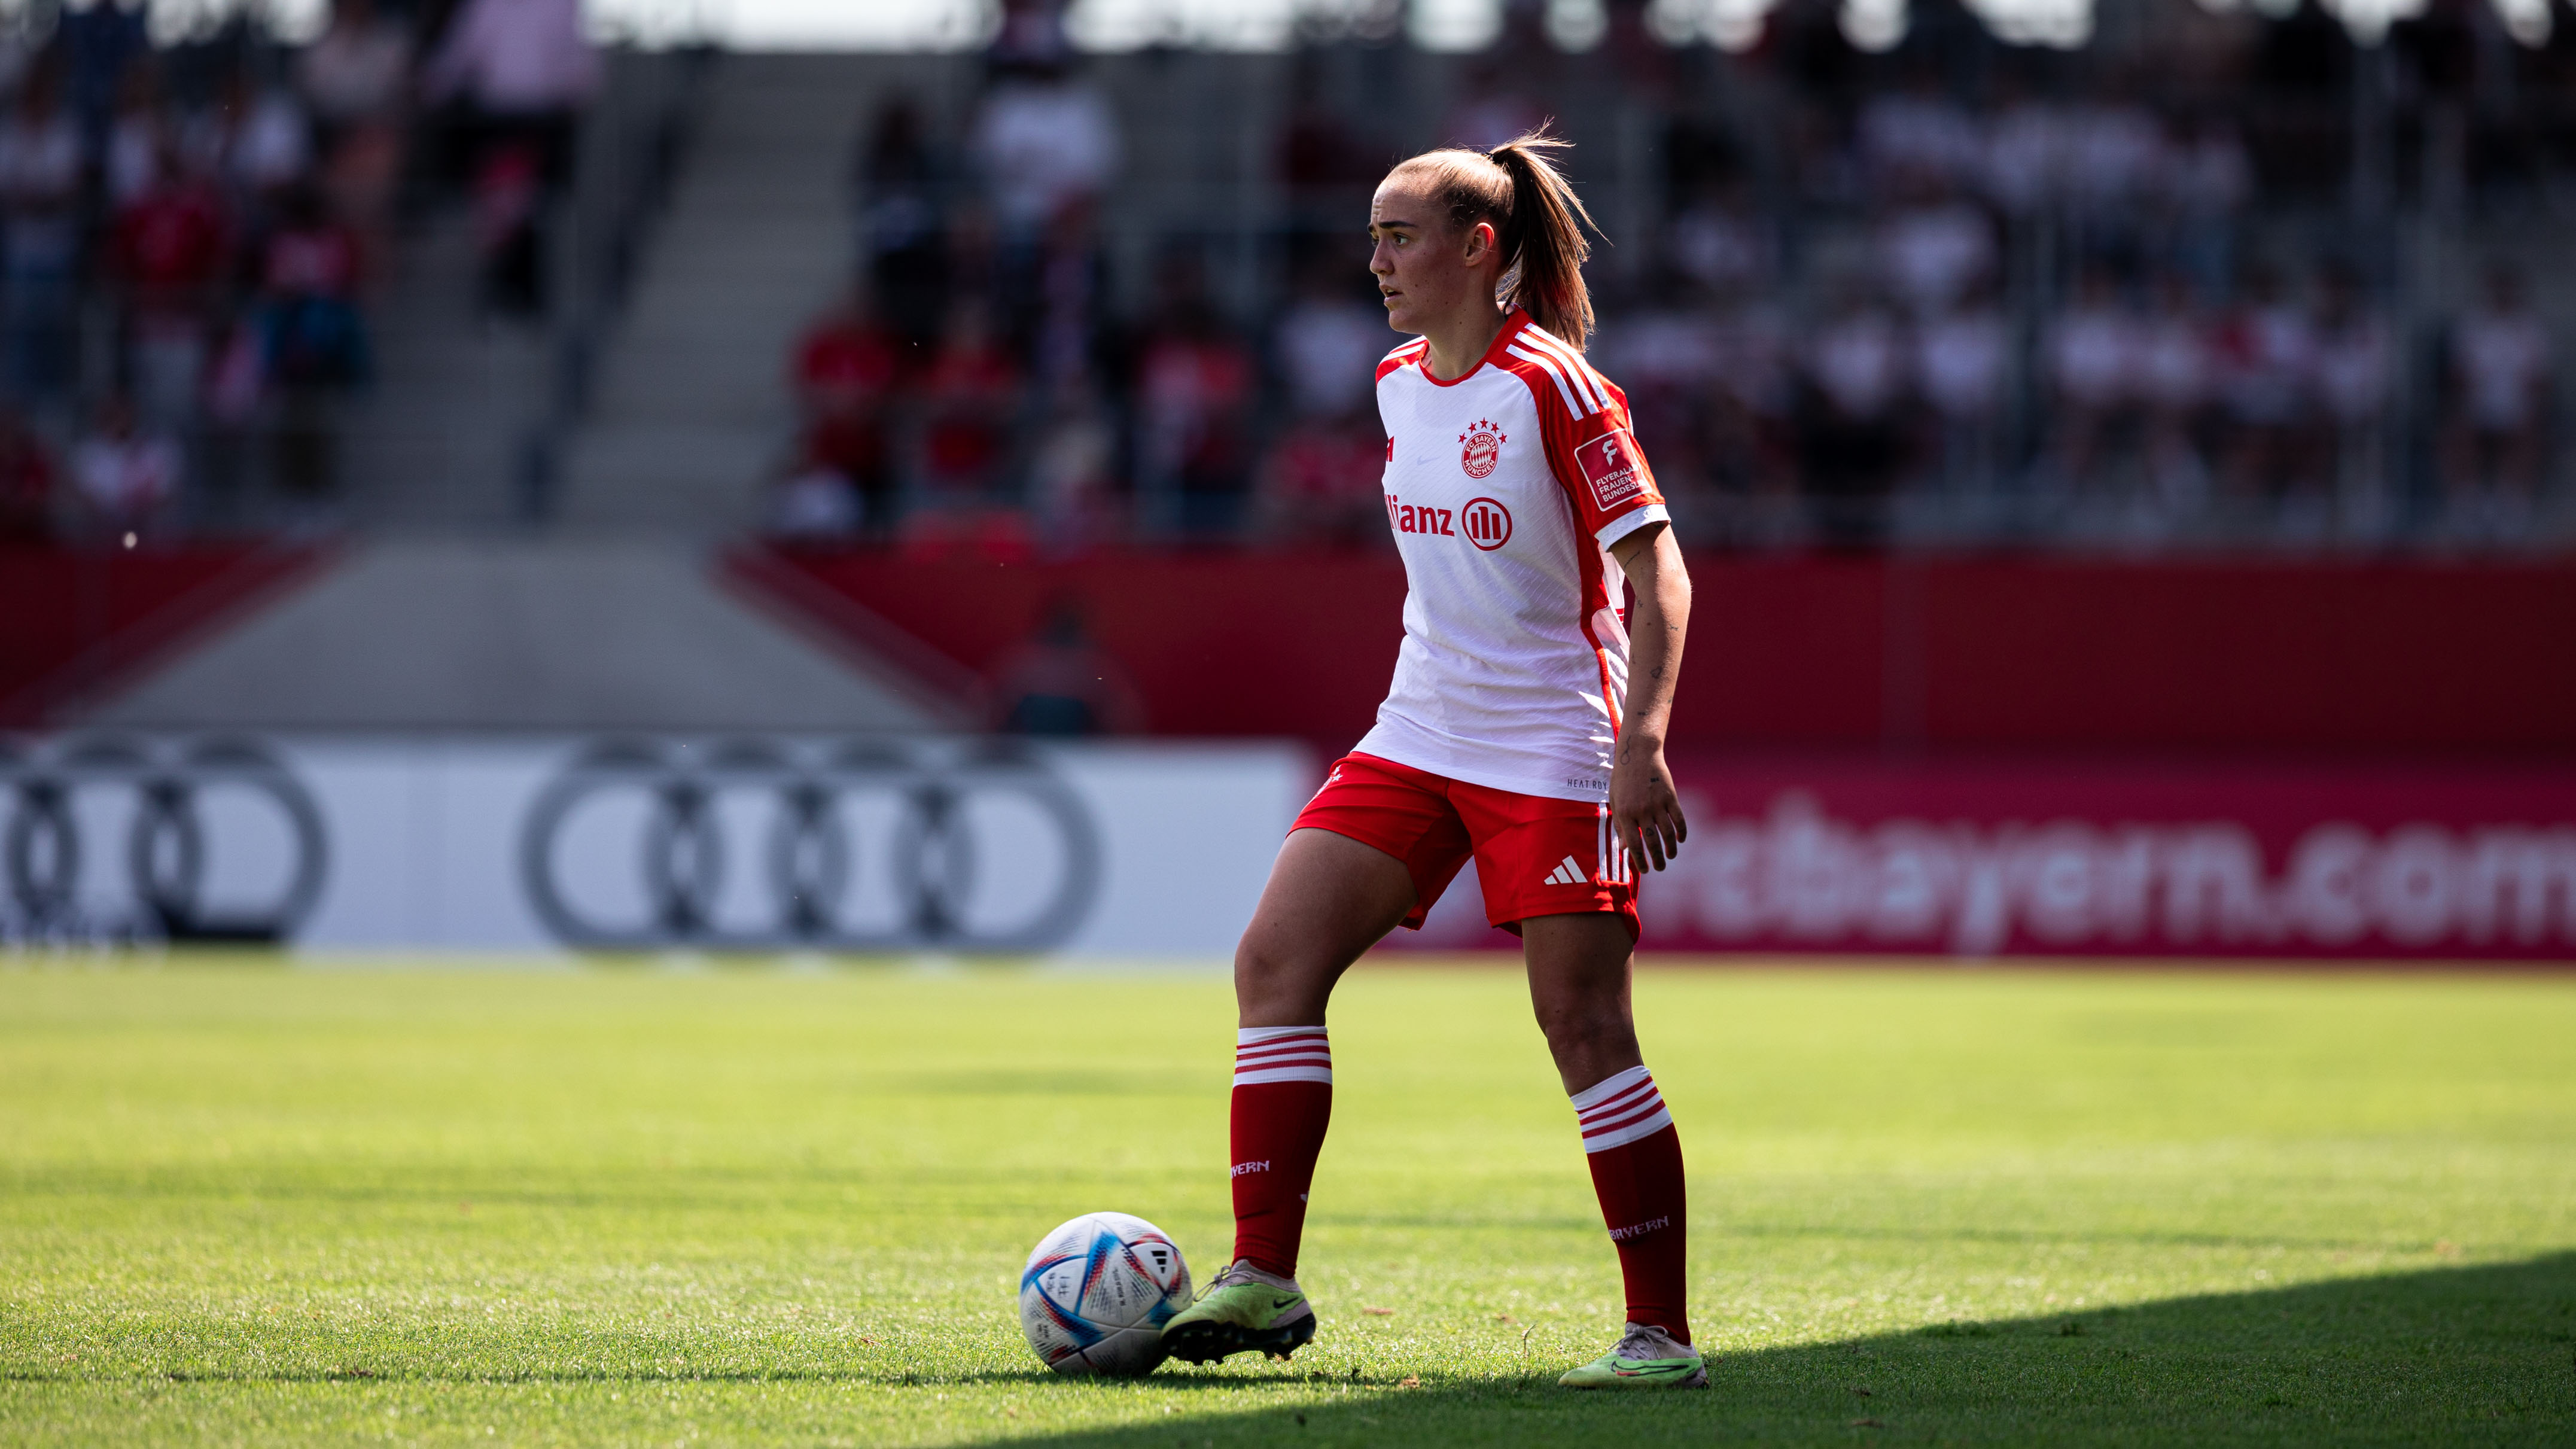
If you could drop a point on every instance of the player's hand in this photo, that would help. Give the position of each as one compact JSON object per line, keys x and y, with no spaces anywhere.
{"x":1645,"y":811}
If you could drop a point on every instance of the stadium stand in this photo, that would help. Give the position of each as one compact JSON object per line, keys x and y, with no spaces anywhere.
{"x":2233,"y":290}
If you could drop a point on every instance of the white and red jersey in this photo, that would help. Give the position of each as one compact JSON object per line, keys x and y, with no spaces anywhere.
{"x":1506,"y":488}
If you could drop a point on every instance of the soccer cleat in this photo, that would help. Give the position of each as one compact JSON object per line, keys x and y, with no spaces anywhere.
{"x":1646,"y":1358}
{"x":1243,"y":1308}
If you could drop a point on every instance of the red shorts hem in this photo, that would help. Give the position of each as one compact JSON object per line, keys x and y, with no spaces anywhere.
{"x":1535,"y":855}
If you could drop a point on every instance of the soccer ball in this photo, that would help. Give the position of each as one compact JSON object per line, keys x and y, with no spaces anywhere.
{"x":1097,"y":1293}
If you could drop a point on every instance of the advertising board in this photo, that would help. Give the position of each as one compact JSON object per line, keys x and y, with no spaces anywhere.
{"x":983,"y":847}
{"x":641,"y":844}
{"x":1837,"y":855}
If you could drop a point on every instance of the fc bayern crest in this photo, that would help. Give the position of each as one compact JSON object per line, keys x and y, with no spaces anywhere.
{"x":1483,"y":448}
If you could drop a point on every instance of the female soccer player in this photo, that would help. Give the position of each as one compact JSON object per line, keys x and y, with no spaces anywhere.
{"x":1512,"y":735}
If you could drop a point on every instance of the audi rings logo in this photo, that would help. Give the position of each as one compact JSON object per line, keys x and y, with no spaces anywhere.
{"x":118,"y":839}
{"x":754,"y":847}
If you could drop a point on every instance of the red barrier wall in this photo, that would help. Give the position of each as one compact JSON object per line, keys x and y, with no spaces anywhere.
{"x":1946,"y":653}
{"x":70,"y":622}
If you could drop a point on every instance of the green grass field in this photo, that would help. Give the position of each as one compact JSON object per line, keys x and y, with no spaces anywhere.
{"x":253,"y":1205}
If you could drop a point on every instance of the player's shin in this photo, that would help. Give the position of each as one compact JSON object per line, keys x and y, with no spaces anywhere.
{"x":1636,"y":1161}
{"x":1283,"y":1099}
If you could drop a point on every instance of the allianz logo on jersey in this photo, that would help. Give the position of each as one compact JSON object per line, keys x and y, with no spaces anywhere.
{"x":1484,"y":522}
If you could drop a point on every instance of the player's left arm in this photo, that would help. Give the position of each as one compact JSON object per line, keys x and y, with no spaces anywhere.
{"x":1644,"y":808}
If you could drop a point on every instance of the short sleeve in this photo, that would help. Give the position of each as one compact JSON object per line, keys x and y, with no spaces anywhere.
{"x":1604,"y":472}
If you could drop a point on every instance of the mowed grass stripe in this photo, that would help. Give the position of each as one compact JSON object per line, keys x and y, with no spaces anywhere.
{"x":246,"y":1204}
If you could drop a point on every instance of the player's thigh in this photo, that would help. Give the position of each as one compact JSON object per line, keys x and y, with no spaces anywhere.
{"x":1329,"y":898}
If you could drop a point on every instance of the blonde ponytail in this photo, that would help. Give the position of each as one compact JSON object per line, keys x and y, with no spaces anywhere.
{"x":1538,"y":224}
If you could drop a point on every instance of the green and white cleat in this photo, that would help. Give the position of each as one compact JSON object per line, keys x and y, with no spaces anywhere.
{"x":1646,"y":1358}
{"x":1243,"y":1308}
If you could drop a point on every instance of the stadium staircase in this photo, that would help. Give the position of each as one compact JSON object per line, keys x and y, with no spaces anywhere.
{"x":436,"y":443}
{"x":504,"y":633}
{"x":690,"y":413}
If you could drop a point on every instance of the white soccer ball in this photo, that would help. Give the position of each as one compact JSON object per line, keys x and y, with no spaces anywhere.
{"x":1097,"y":1293}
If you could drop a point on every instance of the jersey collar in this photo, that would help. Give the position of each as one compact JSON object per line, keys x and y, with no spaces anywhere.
{"x":1513,"y":322}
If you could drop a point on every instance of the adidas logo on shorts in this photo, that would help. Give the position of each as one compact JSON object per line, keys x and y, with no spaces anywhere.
{"x":1567,"y":873}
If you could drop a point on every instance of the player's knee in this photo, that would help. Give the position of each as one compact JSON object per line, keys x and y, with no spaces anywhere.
{"x":1266,"y":975}
{"x":1585,"y":1028}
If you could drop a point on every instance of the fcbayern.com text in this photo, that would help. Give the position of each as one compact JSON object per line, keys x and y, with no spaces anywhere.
{"x":1800,"y":876}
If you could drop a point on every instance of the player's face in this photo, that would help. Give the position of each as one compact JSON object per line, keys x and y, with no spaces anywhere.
{"x":1424,"y":266}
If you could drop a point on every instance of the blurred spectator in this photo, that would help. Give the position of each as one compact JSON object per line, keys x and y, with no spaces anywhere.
{"x":2352,"y":383}
{"x":900,"y":226}
{"x":2175,"y":380}
{"x":26,"y":482}
{"x":1031,"y":33}
{"x":1491,"y":109}
{"x":1194,"y":382}
{"x":509,"y":213}
{"x":1933,"y":251}
{"x":1320,"y":158}
{"x":524,"y":67}
{"x":2266,"y":352}
{"x":970,"y":400}
{"x":2025,"y":152}
{"x":40,"y":185}
{"x":1062,"y":684}
{"x":845,"y":373}
{"x":2208,"y":179}
{"x":2094,"y":354}
{"x":315,"y":340}
{"x":20,"y":44}
{"x":1063,"y":312}
{"x":1073,"y":484}
{"x":1046,"y":142}
{"x":1851,"y":442}
{"x":254,"y":141}
{"x":522,"y":70}
{"x":1666,"y":358}
{"x":126,"y":477}
{"x":1918,"y":132}
{"x":2114,"y":151}
{"x":140,"y":139}
{"x":1753,"y":402}
{"x":1960,"y":360}
{"x":355,"y":73}
{"x":1717,"y":242}
{"x":815,"y":501}
{"x":2500,"y":368}
{"x":1329,"y":344}
{"x":99,"y":43}
{"x":1323,"y":482}
{"x":170,"y":251}
{"x":356,"y":80}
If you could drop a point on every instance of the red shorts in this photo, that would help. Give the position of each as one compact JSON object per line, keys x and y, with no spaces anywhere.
{"x":1535,"y":856}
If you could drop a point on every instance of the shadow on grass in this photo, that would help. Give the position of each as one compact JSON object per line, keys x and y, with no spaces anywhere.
{"x":2469,"y":1355}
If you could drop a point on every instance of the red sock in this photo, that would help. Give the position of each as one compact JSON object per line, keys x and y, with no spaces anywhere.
{"x":1636,"y":1160}
{"x":1283,"y":1097}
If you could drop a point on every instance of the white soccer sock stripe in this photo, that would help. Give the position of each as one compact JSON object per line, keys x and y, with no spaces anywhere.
{"x":1620,"y":1110}
{"x":1282,"y":1054}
